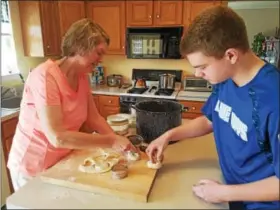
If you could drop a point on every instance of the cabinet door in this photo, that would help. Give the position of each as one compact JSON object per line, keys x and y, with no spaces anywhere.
{"x":29,"y":15}
{"x":70,"y":12}
{"x":168,"y":12}
{"x":50,"y":27}
{"x":110,"y":15}
{"x":139,"y":13}
{"x":193,"y":8}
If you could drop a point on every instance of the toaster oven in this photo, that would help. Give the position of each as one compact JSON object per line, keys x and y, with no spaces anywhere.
{"x":197,"y":84}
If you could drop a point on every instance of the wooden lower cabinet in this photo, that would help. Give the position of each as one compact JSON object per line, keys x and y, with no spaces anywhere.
{"x":8,"y":128}
{"x":192,"y":109}
{"x":107,"y":105}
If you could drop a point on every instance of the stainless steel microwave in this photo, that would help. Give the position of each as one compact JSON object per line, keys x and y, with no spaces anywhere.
{"x":153,"y":42}
{"x":197,"y":84}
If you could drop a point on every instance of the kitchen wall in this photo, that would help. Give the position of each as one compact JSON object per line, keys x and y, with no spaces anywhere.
{"x":260,"y":20}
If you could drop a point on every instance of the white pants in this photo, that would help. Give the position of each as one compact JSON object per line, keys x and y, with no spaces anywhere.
{"x":19,"y":179}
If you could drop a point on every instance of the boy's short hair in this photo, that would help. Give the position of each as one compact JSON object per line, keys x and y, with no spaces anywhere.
{"x":214,"y":31}
{"x":83,"y":36}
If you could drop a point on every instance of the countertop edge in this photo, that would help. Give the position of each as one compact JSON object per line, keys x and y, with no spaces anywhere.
{"x":9,"y":116}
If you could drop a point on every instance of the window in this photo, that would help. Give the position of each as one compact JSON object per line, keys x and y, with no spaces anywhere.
{"x":8,"y":52}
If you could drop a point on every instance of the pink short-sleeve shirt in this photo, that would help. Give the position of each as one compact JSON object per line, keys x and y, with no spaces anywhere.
{"x":46,"y":85}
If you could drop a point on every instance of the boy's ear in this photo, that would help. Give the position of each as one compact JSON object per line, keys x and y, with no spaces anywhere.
{"x":232,"y":55}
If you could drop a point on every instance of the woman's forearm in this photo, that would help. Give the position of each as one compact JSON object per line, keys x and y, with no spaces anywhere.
{"x":263,"y":190}
{"x":101,"y":126}
{"x":193,"y":128}
{"x":79,"y":140}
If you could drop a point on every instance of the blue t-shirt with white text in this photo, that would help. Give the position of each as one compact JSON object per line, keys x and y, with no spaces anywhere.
{"x":247,"y":130}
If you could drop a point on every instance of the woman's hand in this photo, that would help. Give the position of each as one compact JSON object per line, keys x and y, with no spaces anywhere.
{"x":123,"y":144}
{"x":156,"y":148}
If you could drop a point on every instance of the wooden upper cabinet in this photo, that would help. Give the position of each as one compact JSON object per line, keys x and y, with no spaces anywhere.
{"x":139,"y":13}
{"x":168,"y":12}
{"x":40,"y":33}
{"x":193,"y":8}
{"x":44,"y":22}
{"x":50,"y":28}
{"x":110,"y":15}
{"x":29,"y":13}
{"x":70,"y":12}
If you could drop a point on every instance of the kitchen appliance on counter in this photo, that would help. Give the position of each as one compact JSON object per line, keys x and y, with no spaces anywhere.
{"x":196,"y":84}
{"x":152,"y":90}
{"x":114,"y":80}
{"x":151,"y":42}
{"x":166,"y":81}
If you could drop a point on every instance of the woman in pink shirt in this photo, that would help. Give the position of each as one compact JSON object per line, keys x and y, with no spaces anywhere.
{"x":58,"y":113}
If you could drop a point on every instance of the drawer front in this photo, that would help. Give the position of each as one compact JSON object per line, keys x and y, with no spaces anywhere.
{"x":189,"y":115}
{"x":9,"y":127}
{"x":109,"y":101}
{"x":192,"y":106}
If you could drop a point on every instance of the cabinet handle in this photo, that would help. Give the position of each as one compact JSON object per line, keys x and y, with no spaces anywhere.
{"x":185,"y":109}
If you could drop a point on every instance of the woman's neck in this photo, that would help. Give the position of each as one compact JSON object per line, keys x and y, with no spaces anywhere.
{"x":247,"y":68}
{"x":69,"y":67}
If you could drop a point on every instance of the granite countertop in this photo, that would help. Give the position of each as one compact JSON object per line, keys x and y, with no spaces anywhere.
{"x":185,"y":163}
{"x":182,"y":95}
{"x":8,"y":114}
{"x":106,"y":90}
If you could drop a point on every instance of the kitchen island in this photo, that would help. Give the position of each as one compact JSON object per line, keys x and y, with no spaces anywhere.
{"x":185,"y":163}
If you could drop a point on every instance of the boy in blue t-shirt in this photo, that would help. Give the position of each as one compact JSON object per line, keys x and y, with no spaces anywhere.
{"x":242,"y":111}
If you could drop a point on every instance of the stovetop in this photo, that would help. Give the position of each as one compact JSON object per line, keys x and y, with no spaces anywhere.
{"x":153,"y":91}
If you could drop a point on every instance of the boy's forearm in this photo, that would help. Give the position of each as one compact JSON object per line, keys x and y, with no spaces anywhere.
{"x":263,"y":190}
{"x":193,"y":128}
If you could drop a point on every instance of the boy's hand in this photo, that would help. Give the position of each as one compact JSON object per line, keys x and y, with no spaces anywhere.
{"x":211,"y":191}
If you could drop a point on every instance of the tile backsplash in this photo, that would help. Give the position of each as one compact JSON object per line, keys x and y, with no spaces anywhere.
{"x":121,"y":65}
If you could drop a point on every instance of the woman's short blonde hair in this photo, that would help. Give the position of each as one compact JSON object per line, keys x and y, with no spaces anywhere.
{"x":83,"y":36}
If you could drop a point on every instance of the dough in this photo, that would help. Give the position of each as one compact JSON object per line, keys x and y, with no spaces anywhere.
{"x":133,"y":156}
{"x":96,"y":168}
{"x":100,"y":164}
{"x":152,"y":165}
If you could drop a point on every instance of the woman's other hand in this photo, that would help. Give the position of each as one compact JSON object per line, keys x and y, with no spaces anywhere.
{"x":123,"y":144}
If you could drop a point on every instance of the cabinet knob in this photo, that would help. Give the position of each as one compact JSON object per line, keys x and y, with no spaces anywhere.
{"x":48,"y":46}
{"x":110,"y":101}
{"x":150,"y":17}
{"x":157,"y":16}
{"x":123,"y":47}
{"x":193,"y":108}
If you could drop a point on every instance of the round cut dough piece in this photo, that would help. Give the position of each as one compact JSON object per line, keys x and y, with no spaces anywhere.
{"x":152,"y":165}
{"x":100,"y":167}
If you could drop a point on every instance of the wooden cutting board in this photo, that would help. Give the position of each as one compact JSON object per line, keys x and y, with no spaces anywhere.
{"x":136,"y":186}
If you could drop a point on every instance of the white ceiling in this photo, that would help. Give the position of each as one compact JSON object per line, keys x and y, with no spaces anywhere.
{"x":253,"y":4}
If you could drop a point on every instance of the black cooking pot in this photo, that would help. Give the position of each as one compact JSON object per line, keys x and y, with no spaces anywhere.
{"x":155,"y":117}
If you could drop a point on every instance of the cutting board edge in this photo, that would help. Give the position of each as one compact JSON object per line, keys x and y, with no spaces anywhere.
{"x":99,"y":190}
